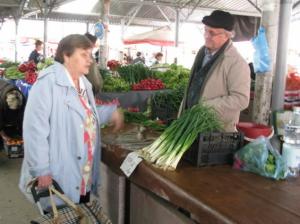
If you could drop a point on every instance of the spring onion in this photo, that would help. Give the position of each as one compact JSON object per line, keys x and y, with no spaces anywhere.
{"x":167,"y":150}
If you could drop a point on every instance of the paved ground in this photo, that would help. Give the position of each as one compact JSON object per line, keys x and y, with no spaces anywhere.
{"x":14,"y":208}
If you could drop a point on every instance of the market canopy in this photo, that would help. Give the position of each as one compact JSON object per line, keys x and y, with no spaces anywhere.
{"x":138,"y":12}
{"x":163,"y":36}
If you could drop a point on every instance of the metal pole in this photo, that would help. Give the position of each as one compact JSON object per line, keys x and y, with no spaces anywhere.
{"x":46,"y":10}
{"x":16,"y":39}
{"x":103,"y":49}
{"x":281,"y":59}
{"x":177,"y":32}
{"x":87,"y":27}
{"x":177,"y":27}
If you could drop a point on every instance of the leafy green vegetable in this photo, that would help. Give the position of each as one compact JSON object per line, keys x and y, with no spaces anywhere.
{"x":165,"y":105}
{"x":167,"y":150}
{"x":7,"y":64}
{"x":134,"y":73}
{"x":45,"y":64}
{"x":259,"y":157}
{"x":13,"y":73}
{"x":175,"y":77}
{"x":115,"y":84}
{"x":143,"y":119}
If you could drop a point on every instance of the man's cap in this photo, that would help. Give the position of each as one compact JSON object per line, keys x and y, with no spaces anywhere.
{"x":219,"y":19}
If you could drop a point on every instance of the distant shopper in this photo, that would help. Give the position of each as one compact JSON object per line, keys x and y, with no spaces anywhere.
{"x":35,"y":55}
{"x":139,"y":58}
{"x":158,"y":58}
{"x":94,"y":75}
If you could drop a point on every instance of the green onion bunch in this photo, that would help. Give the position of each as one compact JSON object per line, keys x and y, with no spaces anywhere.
{"x":167,"y":150}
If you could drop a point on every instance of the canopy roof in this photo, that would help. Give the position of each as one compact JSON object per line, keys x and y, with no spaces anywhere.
{"x":145,"y":10}
{"x":133,"y":12}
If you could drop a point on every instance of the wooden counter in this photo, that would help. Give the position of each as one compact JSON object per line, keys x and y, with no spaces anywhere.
{"x":216,"y":194}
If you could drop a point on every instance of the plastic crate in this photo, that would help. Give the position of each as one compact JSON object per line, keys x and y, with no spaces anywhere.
{"x":214,"y":148}
{"x":14,"y":150}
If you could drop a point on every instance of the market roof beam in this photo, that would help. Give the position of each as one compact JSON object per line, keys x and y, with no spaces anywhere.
{"x":255,"y":6}
{"x":133,"y":16}
{"x":191,"y":12}
{"x":164,"y":15}
{"x":146,"y":2}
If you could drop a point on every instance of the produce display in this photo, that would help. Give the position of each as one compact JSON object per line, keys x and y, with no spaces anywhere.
{"x":29,"y":70}
{"x":134,"y":73}
{"x":165,"y":105}
{"x":13,"y":72}
{"x":44,"y":64}
{"x":115,"y":84}
{"x":175,"y":77}
{"x":143,"y":119}
{"x":113,"y":65}
{"x":7,"y":64}
{"x":167,"y":150}
{"x":149,"y":84}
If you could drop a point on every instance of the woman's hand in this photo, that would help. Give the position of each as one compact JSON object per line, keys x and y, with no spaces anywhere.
{"x":44,"y":181}
{"x":117,"y":119}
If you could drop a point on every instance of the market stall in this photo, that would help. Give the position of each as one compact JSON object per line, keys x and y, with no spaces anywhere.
{"x":214,"y":194}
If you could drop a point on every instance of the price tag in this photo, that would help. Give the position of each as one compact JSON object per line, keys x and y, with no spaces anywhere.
{"x":130,"y":163}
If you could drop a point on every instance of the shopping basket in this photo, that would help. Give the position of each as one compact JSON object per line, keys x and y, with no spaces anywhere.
{"x":88,"y":213}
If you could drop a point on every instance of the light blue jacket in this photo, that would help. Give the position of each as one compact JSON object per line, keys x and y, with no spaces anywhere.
{"x":53,"y":132}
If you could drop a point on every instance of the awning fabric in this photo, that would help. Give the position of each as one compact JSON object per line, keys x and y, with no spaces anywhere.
{"x":163,"y":36}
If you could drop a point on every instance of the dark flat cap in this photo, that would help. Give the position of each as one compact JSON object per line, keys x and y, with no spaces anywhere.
{"x":219,"y":19}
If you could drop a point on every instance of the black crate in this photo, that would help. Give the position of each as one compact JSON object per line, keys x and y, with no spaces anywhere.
{"x":214,"y":148}
{"x":14,"y":151}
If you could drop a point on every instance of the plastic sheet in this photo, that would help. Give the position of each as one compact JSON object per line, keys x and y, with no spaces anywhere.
{"x":261,"y":158}
{"x":261,"y":59}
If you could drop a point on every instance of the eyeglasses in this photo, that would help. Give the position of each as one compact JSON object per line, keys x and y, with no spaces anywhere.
{"x":211,"y":33}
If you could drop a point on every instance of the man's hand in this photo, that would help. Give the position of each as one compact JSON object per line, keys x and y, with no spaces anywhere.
{"x":44,"y":181}
{"x":117,"y":119}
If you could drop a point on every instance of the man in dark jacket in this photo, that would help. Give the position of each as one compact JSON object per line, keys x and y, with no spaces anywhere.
{"x":35,"y":55}
{"x":220,"y":76}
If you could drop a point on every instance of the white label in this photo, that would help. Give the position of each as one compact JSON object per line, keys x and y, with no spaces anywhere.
{"x":130,"y":163}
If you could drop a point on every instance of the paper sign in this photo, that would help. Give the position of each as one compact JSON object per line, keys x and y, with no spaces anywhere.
{"x":130,"y":163}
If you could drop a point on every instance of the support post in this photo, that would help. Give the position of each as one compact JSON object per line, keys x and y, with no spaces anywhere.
{"x":17,"y":20}
{"x":263,"y":82}
{"x":46,"y":11}
{"x":282,"y":50}
{"x":177,"y":33}
{"x":103,"y":50}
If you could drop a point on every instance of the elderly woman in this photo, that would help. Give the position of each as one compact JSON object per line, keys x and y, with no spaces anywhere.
{"x":61,"y":126}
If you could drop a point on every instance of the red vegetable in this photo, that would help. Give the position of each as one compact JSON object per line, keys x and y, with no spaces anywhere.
{"x":149,"y":84}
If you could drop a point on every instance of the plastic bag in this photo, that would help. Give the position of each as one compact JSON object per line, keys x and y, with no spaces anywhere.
{"x":259,"y":157}
{"x":261,"y":58}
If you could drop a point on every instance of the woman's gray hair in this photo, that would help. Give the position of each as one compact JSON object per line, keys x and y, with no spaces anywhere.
{"x":68,"y":45}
